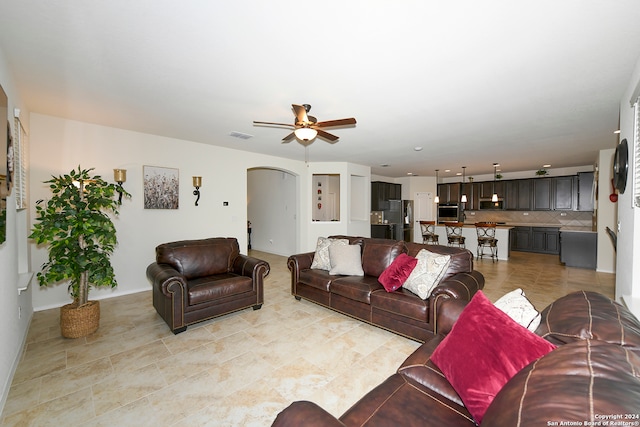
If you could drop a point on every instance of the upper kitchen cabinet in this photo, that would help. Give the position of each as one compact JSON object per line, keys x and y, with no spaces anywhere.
{"x":585,"y":191}
{"x":382,"y":192}
{"x":449,"y":193}
{"x":517,"y":194}
{"x":563,"y":190}
{"x":542,"y":194}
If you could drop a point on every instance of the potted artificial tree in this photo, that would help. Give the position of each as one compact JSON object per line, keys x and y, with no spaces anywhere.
{"x":80,"y":237}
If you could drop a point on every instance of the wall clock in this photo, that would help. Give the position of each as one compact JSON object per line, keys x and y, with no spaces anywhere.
{"x":621,"y":166}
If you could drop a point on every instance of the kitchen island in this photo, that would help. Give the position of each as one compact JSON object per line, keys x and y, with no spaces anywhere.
{"x":471,"y":238}
{"x":579,"y":247}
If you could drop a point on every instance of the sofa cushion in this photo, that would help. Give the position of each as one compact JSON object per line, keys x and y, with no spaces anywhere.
{"x":484,"y":349}
{"x":356,"y":288}
{"x":378,"y":254}
{"x":589,"y":315}
{"x":321,"y":259}
{"x":199,"y":258}
{"x":397,"y":273}
{"x":520,"y":309}
{"x":427,"y":274}
{"x":211,"y":288}
{"x":345,"y":260}
{"x":587,"y":380}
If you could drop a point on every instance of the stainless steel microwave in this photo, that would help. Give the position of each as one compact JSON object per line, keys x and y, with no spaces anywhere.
{"x":488,"y":204}
{"x":448,"y":212}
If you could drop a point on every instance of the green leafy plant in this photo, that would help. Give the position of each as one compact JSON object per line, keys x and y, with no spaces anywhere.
{"x":541,"y":172}
{"x":75,"y":225}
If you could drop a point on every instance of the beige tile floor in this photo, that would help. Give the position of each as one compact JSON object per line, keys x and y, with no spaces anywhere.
{"x":239,"y":369}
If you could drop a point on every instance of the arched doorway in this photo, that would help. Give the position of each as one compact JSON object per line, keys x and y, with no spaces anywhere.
{"x":273,"y":210}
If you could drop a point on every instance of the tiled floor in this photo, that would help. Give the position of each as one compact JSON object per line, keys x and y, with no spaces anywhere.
{"x":240,"y":369}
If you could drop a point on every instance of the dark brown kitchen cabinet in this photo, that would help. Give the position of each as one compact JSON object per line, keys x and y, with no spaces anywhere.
{"x":562,"y":191}
{"x":382,"y":192}
{"x":450,"y":192}
{"x":585,"y":191}
{"x":542,"y":194}
{"x":517,"y":195}
{"x":544,"y":240}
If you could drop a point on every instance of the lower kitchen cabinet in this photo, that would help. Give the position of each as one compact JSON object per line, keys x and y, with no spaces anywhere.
{"x":545,"y":240}
{"x":579,"y":249}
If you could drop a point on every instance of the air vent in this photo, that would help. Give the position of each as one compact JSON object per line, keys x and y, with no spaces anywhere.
{"x":240,"y":135}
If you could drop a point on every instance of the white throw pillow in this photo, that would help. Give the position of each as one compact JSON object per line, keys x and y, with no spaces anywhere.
{"x":520,"y":309}
{"x":346,"y":260}
{"x":427,"y":273}
{"x":321,"y":260}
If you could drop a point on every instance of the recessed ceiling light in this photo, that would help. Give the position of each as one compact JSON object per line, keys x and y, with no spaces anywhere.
{"x":546,"y":166}
{"x":447,"y":170}
{"x":616,"y":131}
{"x":417,"y":148}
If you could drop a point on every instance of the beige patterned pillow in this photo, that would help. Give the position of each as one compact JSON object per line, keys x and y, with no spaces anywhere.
{"x":321,"y":260}
{"x":346,"y":260}
{"x":427,"y":273}
{"x":520,"y":309}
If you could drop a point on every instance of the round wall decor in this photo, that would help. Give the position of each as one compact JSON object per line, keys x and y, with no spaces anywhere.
{"x":621,"y":166}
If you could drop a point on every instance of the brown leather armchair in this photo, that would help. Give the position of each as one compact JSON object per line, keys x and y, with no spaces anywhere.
{"x":195,"y":280}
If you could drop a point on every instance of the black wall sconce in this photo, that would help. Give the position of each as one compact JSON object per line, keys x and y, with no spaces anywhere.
{"x":120,"y":176}
{"x":197,"y":182}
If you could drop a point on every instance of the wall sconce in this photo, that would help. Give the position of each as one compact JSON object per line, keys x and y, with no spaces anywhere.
{"x":120,"y":176}
{"x":197,"y":182}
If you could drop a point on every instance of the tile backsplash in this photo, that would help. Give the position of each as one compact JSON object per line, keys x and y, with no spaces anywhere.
{"x":561,"y":218}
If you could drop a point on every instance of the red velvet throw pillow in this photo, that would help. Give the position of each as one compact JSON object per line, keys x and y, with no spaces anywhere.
{"x":397,"y":273}
{"x":484,"y":349}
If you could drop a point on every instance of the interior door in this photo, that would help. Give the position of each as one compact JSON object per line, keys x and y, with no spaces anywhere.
{"x":424,"y":210}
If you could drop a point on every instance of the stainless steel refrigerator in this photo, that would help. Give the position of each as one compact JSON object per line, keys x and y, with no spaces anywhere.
{"x":401,"y":213}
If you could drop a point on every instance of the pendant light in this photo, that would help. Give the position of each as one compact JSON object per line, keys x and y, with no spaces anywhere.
{"x":437,"y":198}
{"x":494,"y":197}
{"x":463,"y":199}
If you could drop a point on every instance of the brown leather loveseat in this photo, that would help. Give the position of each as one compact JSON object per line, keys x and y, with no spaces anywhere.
{"x":364,"y":298}
{"x":195,"y":280}
{"x":592,"y":378}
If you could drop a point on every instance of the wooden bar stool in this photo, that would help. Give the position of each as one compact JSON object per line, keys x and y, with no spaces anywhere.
{"x":487,"y":239}
{"x":454,"y":234}
{"x":428,"y":229}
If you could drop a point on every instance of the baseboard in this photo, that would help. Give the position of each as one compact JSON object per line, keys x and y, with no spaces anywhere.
{"x":14,"y":366}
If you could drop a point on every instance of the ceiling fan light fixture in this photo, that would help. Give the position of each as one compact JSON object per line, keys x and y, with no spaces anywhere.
{"x":305,"y":134}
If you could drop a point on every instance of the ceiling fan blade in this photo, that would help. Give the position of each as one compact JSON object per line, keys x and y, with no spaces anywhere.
{"x":300,"y":112}
{"x":328,"y":136}
{"x":273,"y":124}
{"x":340,"y":122}
{"x":288,"y":138}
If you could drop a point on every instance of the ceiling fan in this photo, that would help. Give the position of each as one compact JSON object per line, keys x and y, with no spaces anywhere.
{"x":307,"y":127}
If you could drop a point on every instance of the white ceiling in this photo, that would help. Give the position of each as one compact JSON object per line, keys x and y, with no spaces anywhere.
{"x":522,"y":83}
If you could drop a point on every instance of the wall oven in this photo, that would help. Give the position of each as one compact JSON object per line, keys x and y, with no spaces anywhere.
{"x":448,"y":212}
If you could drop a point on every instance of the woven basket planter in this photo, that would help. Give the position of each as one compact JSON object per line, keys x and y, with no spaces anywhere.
{"x":77,"y":322}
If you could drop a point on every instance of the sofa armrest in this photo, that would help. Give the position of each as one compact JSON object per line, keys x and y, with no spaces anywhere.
{"x":296,"y":264}
{"x":166,"y":279}
{"x":255,"y":268}
{"x":304,"y":413}
{"x":461,"y":286}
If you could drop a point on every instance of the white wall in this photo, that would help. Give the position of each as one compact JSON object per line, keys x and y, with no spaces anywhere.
{"x":16,"y":309}
{"x":59,"y":145}
{"x":272,"y":206}
{"x":628,"y":254}
{"x":607,"y":213}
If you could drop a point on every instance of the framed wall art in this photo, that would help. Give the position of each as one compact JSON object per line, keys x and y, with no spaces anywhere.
{"x":161,"y":187}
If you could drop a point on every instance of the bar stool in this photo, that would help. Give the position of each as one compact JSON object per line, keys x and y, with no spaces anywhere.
{"x":454,"y":234}
{"x":428,"y":230}
{"x":487,"y":239}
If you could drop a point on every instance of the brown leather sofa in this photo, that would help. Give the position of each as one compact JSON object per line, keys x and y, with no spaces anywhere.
{"x":364,"y":298}
{"x":195,"y":280}
{"x":591,"y":378}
